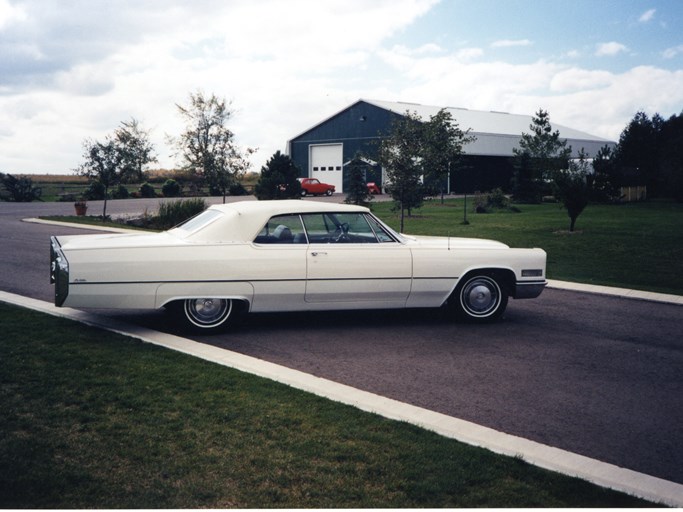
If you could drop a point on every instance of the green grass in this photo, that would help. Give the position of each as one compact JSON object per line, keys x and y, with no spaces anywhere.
{"x":632,"y":245}
{"x":92,"y":419}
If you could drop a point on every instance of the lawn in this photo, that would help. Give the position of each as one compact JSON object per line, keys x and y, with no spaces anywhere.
{"x":93,"y":419}
{"x":631,"y":245}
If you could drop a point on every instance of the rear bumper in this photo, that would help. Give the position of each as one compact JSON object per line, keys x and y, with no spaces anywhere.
{"x":529,"y":289}
{"x":59,"y":271}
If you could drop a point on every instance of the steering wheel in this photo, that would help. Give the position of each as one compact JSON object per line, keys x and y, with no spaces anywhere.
{"x":343,"y":230}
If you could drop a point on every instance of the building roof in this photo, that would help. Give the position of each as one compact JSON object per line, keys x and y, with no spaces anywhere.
{"x":497,"y":133}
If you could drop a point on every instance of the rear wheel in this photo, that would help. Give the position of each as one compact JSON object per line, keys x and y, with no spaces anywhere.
{"x":480,"y":298}
{"x":303,"y":192}
{"x":206,"y":315}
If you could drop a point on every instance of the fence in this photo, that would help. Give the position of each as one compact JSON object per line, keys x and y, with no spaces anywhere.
{"x":638,"y":193}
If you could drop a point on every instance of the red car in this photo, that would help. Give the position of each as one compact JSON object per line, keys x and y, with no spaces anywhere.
{"x":315,"y":187}
{"x":373,"y":188}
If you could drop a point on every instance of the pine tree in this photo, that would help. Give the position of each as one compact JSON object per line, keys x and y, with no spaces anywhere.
{"x":278,"y":179}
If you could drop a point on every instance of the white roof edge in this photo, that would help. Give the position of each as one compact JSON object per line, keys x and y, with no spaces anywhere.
{"x":485,"y":115}
{"x":489,"y":123}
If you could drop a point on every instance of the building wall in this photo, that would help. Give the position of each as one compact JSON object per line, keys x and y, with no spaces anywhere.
{"x":359,"y":125}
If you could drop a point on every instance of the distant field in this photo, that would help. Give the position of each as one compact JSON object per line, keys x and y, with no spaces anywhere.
{"x":67,"y":187}
{"x":39,"y":179}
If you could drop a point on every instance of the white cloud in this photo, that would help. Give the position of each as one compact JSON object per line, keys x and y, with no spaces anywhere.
{"x":610,"y":49}
{"x":576,"y":79}
{"x":670,"y":53}
{"x":647,"y":16}
{"x":65,"y":77}
{"x":507,"y":43}
{"x":10,"y":13}
{"x":80,"y":78}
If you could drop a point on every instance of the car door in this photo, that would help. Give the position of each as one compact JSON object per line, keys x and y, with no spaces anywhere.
{"x":278,"y":260}
{"x":350,"y":264}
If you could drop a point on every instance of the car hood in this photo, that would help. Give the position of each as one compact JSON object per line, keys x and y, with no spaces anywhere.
{"x":454,"y":242}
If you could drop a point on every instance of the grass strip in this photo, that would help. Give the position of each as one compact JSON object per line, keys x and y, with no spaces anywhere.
{"x":92,"y":419}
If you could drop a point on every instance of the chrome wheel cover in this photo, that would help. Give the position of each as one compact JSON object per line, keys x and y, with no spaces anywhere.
{"x":480,"y":296}
{"x":207,"y":313}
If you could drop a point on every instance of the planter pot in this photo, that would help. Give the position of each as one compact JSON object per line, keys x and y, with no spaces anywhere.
{"x":81,"y":209}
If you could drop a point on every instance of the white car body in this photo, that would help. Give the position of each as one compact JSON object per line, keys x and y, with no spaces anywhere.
{"x":231,"y":254}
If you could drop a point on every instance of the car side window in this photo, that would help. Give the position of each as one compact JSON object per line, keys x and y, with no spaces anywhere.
{"x":282,"y":229}
{"x":335,"y":228}
{"x":379,"y":230}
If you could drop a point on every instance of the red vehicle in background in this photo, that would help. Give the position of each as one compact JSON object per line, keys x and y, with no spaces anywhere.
{"x":373,"y":188}
{"x":315,"y":187}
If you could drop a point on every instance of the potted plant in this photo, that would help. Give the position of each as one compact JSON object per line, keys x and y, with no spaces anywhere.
{"x":81,"y":207}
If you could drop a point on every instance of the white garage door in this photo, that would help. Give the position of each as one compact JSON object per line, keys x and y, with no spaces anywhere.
{"x":326,"y":164}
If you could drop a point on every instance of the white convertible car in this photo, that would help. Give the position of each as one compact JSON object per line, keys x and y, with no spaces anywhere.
{"x":289,"y":255}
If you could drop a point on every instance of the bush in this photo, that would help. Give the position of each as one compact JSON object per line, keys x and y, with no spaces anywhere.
{"x":95,"y":191}
{"x":496,"y":200}
{"x":172,"y":213}
{"x":120,"y":192}
{"x":20,"y":190}
{"x":147,"y":190}
{"x":238,"y":189}
{"x":278,"y":179}
{"x":171,"y":188}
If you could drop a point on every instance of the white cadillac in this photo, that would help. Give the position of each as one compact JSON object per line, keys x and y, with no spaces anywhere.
{"x":289,"y":256}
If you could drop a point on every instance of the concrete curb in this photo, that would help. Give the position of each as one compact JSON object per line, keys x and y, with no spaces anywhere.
{"x":617,"y":292}
{"x":597,"y":472}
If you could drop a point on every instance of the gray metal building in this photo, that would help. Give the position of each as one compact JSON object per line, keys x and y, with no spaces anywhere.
{"x":323,"y":150}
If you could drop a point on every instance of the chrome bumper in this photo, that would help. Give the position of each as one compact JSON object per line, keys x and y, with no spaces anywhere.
{"x":529,"y":289}
{"x":59,"y":271}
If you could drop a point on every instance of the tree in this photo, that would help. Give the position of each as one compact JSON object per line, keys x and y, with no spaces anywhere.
{"x":278,"y":179}
{"x":545,"y":153}
{"x":136,"y":151}
{"x":638,"y":151}
{"x":572,"y":188}
{"x":671,"y":157}
{"x":207,"y":146}
{"x":606,"y":178}
{"x":102,"y":164}
{"x":20,"y":190}
{"x":357,"y":192}
{"x":442,"y":145}
{"x":400,"y":154}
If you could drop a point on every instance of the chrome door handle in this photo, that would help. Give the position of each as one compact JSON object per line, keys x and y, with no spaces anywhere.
{"x":318,"y":253}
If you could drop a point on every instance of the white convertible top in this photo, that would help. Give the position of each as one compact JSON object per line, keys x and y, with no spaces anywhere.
{"x":241,"y":221}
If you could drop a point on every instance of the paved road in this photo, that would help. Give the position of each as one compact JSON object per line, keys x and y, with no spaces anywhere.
{"x":599,"y":376}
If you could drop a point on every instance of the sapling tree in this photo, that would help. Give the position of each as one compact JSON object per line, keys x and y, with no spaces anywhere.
{"x":572,"y":187}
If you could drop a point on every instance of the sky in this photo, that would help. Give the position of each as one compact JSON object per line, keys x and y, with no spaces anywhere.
{"x":72,"y":70}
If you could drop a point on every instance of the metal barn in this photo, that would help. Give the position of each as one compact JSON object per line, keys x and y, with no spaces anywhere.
{"x":323,"y":150}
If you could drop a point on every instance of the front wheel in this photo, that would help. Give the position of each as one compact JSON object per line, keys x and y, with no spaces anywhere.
{"x":207,"y":315}
{"x":328,"y":192}
{"x":480,"y":298}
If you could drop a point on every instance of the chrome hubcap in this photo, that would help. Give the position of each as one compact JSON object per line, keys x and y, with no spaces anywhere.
{"x":208,"y":312}
{"x":480,"y":297}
